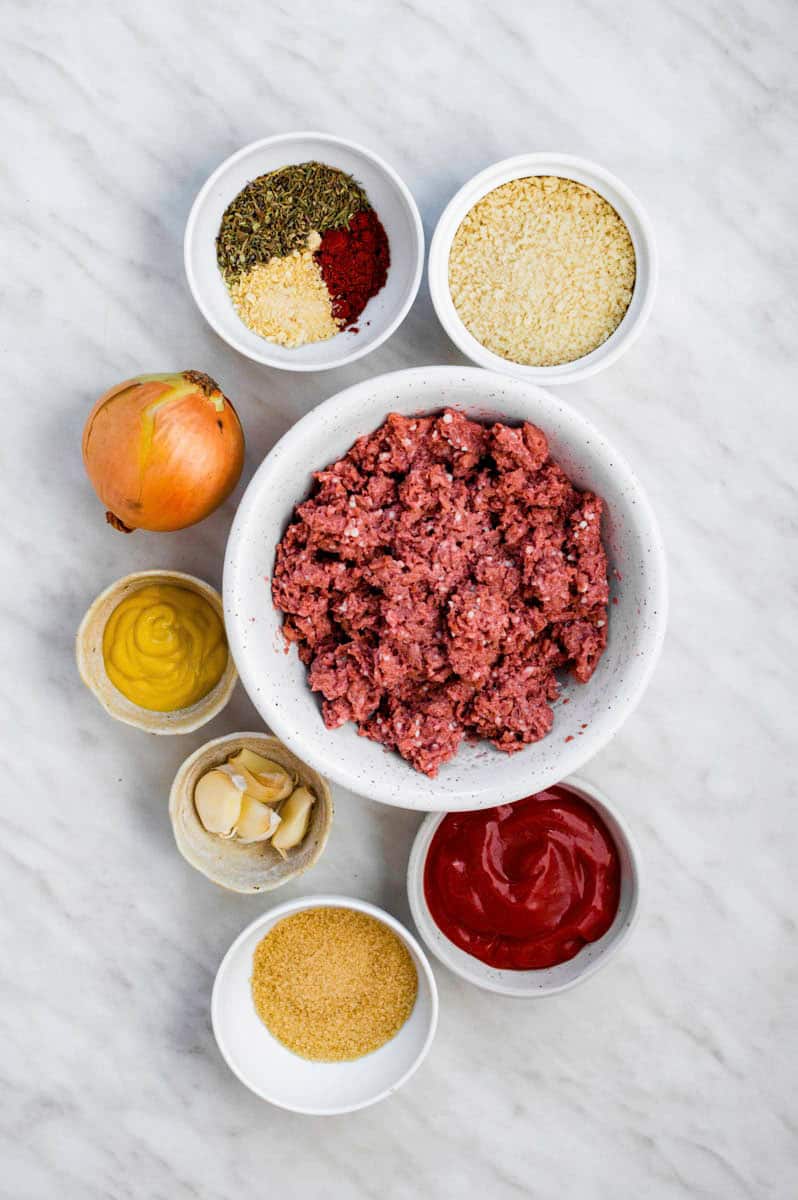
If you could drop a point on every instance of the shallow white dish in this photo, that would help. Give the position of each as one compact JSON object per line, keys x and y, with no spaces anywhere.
{"x":478,"y":776}
{"x":390,"y":199}
{"x":532,"y":984}
{"x":276,"y":1074}
{"x":566,"y":166}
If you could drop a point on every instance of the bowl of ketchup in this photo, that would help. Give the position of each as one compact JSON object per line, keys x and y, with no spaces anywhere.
{"x":529,"y":898}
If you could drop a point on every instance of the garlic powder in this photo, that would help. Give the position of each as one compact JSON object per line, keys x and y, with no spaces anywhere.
{"x":286,"y":301}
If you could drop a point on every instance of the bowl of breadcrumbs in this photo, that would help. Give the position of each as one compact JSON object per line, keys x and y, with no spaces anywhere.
{"x":324,"y":1005}
{"x":543,"y":267}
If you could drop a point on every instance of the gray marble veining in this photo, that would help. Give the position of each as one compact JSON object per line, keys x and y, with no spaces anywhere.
{"x":672,"y":1073}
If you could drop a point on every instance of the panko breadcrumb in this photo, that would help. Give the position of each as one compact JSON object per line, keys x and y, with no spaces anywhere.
{"x":541,"y":270}
{"x":333,"y":984}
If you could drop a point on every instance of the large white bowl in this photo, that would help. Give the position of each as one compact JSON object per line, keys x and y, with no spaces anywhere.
{"x":565,"y":166}
{"x":390,"y":199}
{"x":272,"y":1071}
{"x":549,"y":980}
{"x":478,"y":775}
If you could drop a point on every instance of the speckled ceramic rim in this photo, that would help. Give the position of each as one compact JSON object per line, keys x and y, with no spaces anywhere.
{"x":89,"y":655}
{"x":348,"y":408}
{"x":624,"y":202}
{"x":327,"y":901}
{"x":533,"y":985}
{"x":254,"y":868}
{"x":265,"y":357}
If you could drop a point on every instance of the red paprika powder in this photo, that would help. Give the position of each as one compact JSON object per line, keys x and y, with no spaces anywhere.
{"x":354,"y":264}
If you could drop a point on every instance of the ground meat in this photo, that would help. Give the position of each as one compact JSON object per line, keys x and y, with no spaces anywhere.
{"x":435,"y":581}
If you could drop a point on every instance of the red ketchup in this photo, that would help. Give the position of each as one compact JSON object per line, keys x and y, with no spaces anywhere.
{"x":524,"y":885}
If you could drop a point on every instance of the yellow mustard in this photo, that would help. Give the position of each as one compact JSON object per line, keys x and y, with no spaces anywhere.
{"x":164,"y":647}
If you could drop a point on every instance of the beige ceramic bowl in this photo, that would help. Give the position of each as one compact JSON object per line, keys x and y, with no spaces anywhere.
{"x":246,"y":868}
{"x":89,"y":651}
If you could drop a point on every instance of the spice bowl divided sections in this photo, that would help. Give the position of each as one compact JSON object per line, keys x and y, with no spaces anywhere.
{"x":596,"y":858}
{"x":544,"y":267}
{"x":228,"y":844}
{"x":176,"y":653}
{"x":274,"y":1072}
{"x":281,"y":267}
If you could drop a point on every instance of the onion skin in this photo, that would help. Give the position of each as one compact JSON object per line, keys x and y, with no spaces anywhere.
{"x":163,"y":451}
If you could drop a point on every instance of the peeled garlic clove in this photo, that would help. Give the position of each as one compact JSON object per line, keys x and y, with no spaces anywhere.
{"x":267,"y":772}
{"x":249,"y":759}
{"x":295,"y":815}
{"x":278,"y":779}
{"x":260,"y":787}
{"x":237,"y":776}
{"x":256,"y":822}
{"x":255,"y":763}
{"x":217,"y":799}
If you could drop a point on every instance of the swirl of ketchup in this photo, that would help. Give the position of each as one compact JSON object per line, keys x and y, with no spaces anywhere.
{"x":525,"y":885}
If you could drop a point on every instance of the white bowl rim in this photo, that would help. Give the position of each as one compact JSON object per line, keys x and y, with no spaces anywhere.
{"x":332,"y":139}
{"x":328,"y":900}
{"x":419,"y":908}
{"x":473,"y":190}
{"x":303,"y":744}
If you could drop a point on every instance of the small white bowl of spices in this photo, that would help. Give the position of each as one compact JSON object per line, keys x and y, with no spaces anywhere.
{"x":544,"y":267}
{"x":304,"y":251}
{"x":324,"y":1005}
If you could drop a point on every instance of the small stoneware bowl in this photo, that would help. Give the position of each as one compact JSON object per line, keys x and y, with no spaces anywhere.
{"x":256,"y":867}
{"x":276,"y":1074}
{"x":565,"y":166}
{"x":390,"y":199}
{"x":89,"y":653}
{"x":548,"y":981}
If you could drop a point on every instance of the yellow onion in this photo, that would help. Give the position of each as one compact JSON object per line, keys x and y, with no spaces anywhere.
{"x":163,"y":451}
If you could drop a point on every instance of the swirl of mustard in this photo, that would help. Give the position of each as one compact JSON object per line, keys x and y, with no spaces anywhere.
{"x":164,"y":647}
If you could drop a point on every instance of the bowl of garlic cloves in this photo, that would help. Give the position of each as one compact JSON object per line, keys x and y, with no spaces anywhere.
{"x":248,"y":813}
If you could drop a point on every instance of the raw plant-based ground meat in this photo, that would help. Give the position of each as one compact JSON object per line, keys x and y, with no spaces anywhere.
{"x":435,"y":581}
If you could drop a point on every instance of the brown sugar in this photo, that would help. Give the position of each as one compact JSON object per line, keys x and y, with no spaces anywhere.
{"x":333,"y":984}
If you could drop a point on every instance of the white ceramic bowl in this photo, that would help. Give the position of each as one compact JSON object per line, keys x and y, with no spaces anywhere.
{"x":547,"y":982}
{"x":625,"y":204}
{"x":273,"y":1072}
{"x":390,"y":199}
{"x":478,"y":776}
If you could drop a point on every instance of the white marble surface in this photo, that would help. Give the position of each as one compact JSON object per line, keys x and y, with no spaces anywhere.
{"x":672,"y":1073}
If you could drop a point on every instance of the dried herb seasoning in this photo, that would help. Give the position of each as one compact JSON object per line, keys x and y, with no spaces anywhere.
{"x":274,"y":214}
